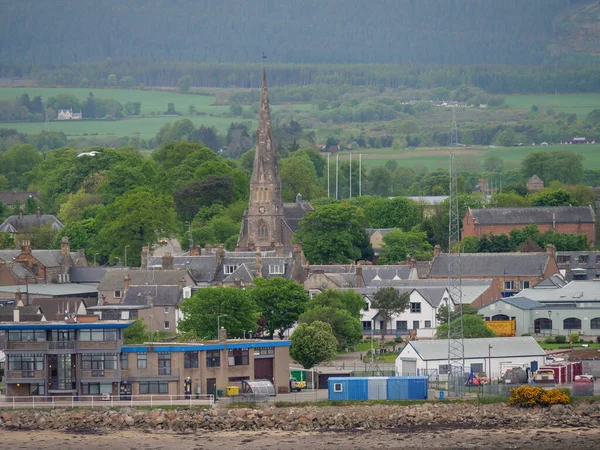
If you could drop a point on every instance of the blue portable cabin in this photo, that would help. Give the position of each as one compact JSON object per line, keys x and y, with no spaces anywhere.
{"x":407,"y":388}
{"x":377,"y":388}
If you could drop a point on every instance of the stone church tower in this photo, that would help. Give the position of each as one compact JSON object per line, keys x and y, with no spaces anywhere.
{"x":264,"y":224}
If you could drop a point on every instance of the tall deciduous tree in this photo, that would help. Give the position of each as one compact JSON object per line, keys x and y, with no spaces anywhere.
{"x":236,"y":308}
{"x":280,"y":301}
{"x":313,"y":344}
{"x":442,"y":312}
{"x":390,"y":302}
{"x":136,"y":333}
{"x":185,"y":83}
{"x":135,"y":219}
{"x":346,"y":328}
{"x":334,"y":234}
{"x":398,"y":244}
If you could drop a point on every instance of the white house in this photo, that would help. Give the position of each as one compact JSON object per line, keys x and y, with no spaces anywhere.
{"x":490,"y":355}
{"x":68,"y":114}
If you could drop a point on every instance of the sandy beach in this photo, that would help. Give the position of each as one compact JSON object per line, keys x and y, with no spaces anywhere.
{"x":582,"y":438}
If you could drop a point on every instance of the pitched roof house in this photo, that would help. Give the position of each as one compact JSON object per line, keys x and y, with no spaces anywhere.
{"x":29,"y":224}
{"x":535,"y":184}
{"x":10,"y":197}
{"x":562,"y":219}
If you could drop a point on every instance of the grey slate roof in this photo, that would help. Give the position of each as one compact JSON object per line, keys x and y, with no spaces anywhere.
{"x":201,"y":268}
{"x":552,"y":282}
{"x":293,"y":213}
{"x":87,"y":274}
{"x":371,"y":273}
{"x":14,"y":224}
{"x":503,"y":347}
{"x":519,"y":302}
{"x":115,"y":279}
{"x":22,"y":272}
{"x":10,"y":197}
{"x":433,"y":295}
{"x":533,"y":215}
{"x":574,"y":291}
{"x":26,"y":313}
{"x":53,"y":290}
{"x":54,"y":308}
{"x":371,"y":231}
{"x":492,"y":264}
{"x":157,"y":295}
{"x":9,"y":255}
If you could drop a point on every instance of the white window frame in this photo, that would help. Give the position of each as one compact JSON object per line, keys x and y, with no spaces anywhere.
{"x":117,"y":293}
{"x":276,"y":269}
{"x":338,"y":387}
{"x":228,"y":269}
{"x":417,"y":306}
{"x":522,"y":284}
{"x":166,"y":310}
{"x":509,"y":285}
{"x":125,"y":315}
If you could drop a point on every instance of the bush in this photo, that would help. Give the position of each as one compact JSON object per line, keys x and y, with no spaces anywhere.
{"x":574,"y":338}
{"x":560,"y":339}
{"x":598,"y":339}
{"x":549,"y":340}
{"x":526,"y":334}
{"x":530,"y":396}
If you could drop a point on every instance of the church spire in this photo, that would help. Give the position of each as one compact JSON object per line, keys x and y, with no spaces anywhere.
{"x":265,"y":159}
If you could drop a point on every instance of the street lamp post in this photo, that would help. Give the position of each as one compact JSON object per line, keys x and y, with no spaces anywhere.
{"x":490,"y":347}
{"x":219,"y":324}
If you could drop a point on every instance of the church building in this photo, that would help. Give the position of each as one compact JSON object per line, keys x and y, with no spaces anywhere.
{"x":268,"y":222}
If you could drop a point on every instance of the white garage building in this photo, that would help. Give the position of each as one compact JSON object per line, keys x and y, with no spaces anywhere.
{"x":430,"y":358}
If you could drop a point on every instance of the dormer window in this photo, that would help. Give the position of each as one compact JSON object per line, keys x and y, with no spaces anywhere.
{"x":228,"y":269}
{"x":117,"y":294}
{"x":276,"y":269}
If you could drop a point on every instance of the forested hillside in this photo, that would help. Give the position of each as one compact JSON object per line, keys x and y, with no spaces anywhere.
{"x":308,"y":31}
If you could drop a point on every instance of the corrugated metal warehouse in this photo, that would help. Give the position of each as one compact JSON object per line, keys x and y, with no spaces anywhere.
{"x":490,"y":355}
{"x":378,"y":388}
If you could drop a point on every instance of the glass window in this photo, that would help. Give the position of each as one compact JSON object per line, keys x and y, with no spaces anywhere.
{"x":562,"y":259}
{"x":509,"y":285}
{"x":401,"y":325}
{"x":428,"y":324}
{"x":415,"y":325}
{"x":166,"y":310}
{"x":213,"y":358}
{"x":124,"y":361}
{"x":415,"y":307}
{"x":264,"y":351}
{"x":142,"y":360}
{"x":164,"y":364}
{"x":477,"y":368}
{"x":583,"y":259}
{"x":524,"y":284}
{"x":190,"y":360}
{"x":238,"y":357}
{"x":167,"y":325}
{"x":154,"y":387}
{"x":572,"y":323}
{"x":124,"y":315}
{"x":337,"y":387}
{"x":366,"y":324}
{"x":27,"y":335}
{"x":26,"y":363}
{"x":117,"y":294}
{"x":366,"y":308}
{"x":37,"y":389}
{"x":276,"y":269}
{"x":228,"y":269}
{"x":595,"y":323}
{"x":110,"y":335}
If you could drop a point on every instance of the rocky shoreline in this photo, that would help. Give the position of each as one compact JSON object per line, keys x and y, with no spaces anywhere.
{"x":308,"y":418}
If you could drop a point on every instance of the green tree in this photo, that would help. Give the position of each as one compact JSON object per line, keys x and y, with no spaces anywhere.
{"x":81,"y":234}
{"x":390,"y":302}
{"x":135,"y":219}
{"x":380,"y":181}
{"x":566,"y":167}
{"x":17,"y":161}
{"x":473,"y":327}
{"x":127,"y":82}
{"x":349,"y":300}
{"x":185,"y":83}
{"x":31,"y":205}
{"x":136,"y":333}
{"x":508,"y":199}
{"x":334,"y":234}
{"x":442,"y":312}
{"x":398,"y":244}
{"x":280,"y":301}
{"x":236,"y":308}
{"x":298,"y":176}
{"x":346,"y":328}
{"x":553,"y":197}
{"x":493,"y":164}
{"x":313,"y":344}
{"x":112,"y":80}
{"x":43,"y":236}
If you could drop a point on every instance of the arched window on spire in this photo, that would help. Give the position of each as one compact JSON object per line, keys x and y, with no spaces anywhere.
{"x":263,"y":229}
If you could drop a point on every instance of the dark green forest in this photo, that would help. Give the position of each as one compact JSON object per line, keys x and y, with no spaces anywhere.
{"x":62,"y":32}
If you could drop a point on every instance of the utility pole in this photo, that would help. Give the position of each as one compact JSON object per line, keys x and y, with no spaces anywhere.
{"x":456,"y":345}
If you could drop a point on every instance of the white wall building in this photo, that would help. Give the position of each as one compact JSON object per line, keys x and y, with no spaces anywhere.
{"x":430,"y":358}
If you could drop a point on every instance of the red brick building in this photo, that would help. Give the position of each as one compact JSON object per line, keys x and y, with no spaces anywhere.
{"x":562,"y":219}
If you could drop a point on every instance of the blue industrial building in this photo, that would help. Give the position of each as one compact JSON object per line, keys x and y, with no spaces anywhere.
{"x":378,"y":388}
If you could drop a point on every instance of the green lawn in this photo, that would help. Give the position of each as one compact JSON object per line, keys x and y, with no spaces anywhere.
{"x":433,"y":158}
{"x":566,"y":346}
{"x":153,"y":102}
{"x":580,"y":104}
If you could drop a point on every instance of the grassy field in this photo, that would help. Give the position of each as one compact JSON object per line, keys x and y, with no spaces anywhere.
{"x":580,"y":104}
{"x":153,"y":102}
{"x":433,"y":158}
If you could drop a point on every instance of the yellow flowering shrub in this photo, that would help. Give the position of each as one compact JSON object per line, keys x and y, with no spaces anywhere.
{"x":530,"y":396}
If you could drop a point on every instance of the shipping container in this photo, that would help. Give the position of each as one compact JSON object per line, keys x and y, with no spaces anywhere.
{"x":378,"y":388}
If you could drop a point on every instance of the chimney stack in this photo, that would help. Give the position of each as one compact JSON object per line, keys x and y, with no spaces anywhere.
{"x":18,"y":297}
{"x":258,"y":259}
{"x":360,"y":281}
{"x":65,"y":255}
{"x":208,"y":249}
{"x":126,"y":282}
{"x":26,"y":247}
{"x":195,"y":250}
{"x":222,"y":334}
{"x":21,"y":213}
{"x":16,"y":315}
{"x":38,"y":212}
{"x":551,"y":250}
{"x":144,"y":259}
{"x":168,"y":261}
{"x":220,"y":254}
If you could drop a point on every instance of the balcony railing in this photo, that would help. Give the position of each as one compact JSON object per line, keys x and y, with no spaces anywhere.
{"x":62,"y":345}
{"x":27,"y":345}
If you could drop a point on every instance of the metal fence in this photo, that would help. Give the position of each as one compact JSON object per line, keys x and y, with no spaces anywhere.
{"x":106,"y":400}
